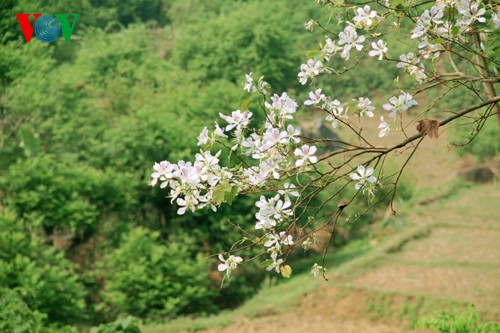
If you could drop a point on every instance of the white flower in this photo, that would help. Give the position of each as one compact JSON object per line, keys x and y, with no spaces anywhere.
{"x":409,"y":63}
{"x":229,"y":265}
{"x":330,"y":48}
{"x":163,"y":172}
{"x":237,"y":119}
{"x":219,"y":131}
{"x":289,"y":189}
{"x":189,"y":202}
{"x":277,"y":241}
{"x":365,"y":107}
{"x":249,"y":85}
{"x":379,"y":49}
{"x":275,"y":264}
{"x":337,"y":112}
{"x":399,"y":104}
{"x":384,"y":128}
{"x":282,"y":107}
{"x":293,"y":133}
{"x":364,"y":16}
{"x":203,"y":137}
{"x":305,"y":153}
{"x":315,"y":97}
{"x":470,"y":13}
{"x":349,"y":38}
{"x":315,"y":269}
{"x":362,"y":176}
{"x":274,"y":136}
{"x":310,"y":69}
{"x":496,"y":19}
{"x":271,"y":209}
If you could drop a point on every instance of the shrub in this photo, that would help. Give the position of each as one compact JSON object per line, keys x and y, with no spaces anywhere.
{"x":41,"y":276}
{"x":17,"y":317}
{"x":122,"y":325}
{"x":465,"y":321}
{"x":146,"y":278}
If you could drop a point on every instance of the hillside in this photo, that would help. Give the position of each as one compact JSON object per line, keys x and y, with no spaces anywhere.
{"x":444,"y":255}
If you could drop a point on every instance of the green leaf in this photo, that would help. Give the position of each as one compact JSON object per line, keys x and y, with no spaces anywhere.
{"x":229,"y":196}
{"x":312,"y":53}
{"x":245,"y":104}
{"x":315,"y":54}
{"x":396,"y":3}
{"x":338,"y":2}
{"x":220,"y":192}
{"x":266,"y":263}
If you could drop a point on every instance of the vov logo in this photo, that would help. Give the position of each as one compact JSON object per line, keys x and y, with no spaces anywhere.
{"x":47,"y":28}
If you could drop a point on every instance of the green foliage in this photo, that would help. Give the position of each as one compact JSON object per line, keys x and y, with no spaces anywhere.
{"x":485,"y":145}
{"x":81,"y":122}
{"x":465,"y":321}
{"x":121,"y":325}
{"x":43,"y":278}
{"x":148,"y":278}
{"x":57,"y":192}
{"x":16,"y":316}
{"x":240,"y":40}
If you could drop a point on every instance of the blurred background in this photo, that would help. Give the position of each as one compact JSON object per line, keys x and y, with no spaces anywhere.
{"x":85,"y":242}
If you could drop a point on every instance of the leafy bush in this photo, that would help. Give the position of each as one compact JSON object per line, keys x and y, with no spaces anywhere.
{"x":240,"y":39}
{"x":147,"y":278}
{"x":62,"y":192}
{"x":465,"y":321}
{"x":16,"y":316}
{"x":42,"y":277}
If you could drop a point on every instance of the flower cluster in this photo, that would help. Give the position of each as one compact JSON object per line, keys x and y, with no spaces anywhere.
{"x":276,"y":150}
{"x":272,"y":153}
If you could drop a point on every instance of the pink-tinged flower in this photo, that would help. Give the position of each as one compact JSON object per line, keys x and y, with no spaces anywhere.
{"x":189,"y":202}
{"x":203,"y":137}
{"x":293,"y":133}
{"x":274,"y":136}
{"x":315,"y":97}
{"x":163,"y":172}
{"x":364,"y":16}
{"x":365,"y":107}
{"x":496,"y":19}
{"x":337,"y":112}
{"x":330,"y":48}
{"x":237,"y":119}
{"x":349,"y":38}
{"x":362,"y":176}
{"x":379,"y":49}
{"x":304,"y":154}
{"x":219,"y":131}
{"x":310,"y":69}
